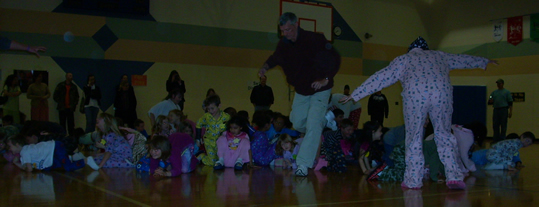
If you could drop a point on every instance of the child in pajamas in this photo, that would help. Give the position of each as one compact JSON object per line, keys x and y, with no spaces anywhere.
{"x":172,"y":156}
{"x":288,"y":148}
{"x":424,"y":75}
{"x":332,"y":149}
{"x":215,"y":123}
{"x":233,"y":146}
{"x":49,"y":155}
{"x":117,"y":148}
{"x":262,"y":151}
{"x":501,"y":155}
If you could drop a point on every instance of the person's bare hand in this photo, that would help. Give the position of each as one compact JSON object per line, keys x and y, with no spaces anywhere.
{"x":319,"y":84}
{"x":127,"y":129}
{"x":511,"y":168}
{"x":159,"y":172}
{"x":286,"y":163}
{"x":368,"y":172}
{"x":345,"y":99}
{"x":99,"y":145}
{"x":36,"y":49}
{"x":262,"y":71}
{"x":495,"y":62}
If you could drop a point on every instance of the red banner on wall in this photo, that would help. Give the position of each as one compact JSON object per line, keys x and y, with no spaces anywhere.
{"x":514,"y":30}
{"x":139,"y":80}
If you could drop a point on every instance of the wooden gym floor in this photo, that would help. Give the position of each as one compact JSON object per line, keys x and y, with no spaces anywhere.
{"x":261,"y":187}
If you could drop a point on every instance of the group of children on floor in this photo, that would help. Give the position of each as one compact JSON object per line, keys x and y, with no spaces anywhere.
{"x":41,"y":146}
{"x":176,"y":145}
{"x":383,"y":157}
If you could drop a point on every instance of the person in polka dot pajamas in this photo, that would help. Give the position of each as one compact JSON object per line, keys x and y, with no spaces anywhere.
{"x":424,"y":75}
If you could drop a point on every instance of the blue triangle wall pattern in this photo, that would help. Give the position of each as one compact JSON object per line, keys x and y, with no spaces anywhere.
{"x":107,"y":74}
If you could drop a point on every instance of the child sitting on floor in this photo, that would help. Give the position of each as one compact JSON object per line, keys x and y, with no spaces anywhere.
{"x":186,"y":128}
{"x":332,"y":148}
{"x":288,"y":148}
{"x":139,"y":126}
{"x":370,"y":157}
{"x":161,"y":127}
{"x":118,"y":152}
{"x":334,"y":118}
{"x":233,"y":146}
{"x":279,"y":127}
{"x":262,"y":151}
{"x":172,"y":156}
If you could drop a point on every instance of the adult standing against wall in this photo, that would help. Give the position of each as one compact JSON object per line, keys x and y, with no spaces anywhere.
{"x":502,"y":101}
{"x":66,"y":95}
{"x":92,"y":101}
{"x":175,"y":82}
{"x":262,"y":95}
{"x":378,"y":107}
{"x":12,"y":91}
{"x":39,"y":94}
{"x":125,"y":102}
{"x":309,"y":62}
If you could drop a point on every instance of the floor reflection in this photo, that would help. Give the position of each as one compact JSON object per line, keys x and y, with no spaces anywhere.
{"x":256,"y":187}
{"x":263,"y":183}
{"x":457,"y":199}
{"x":232,"y":184}
{"x":37,"y":186}
{"x":115,"y":179}
{"x":413,"y":198}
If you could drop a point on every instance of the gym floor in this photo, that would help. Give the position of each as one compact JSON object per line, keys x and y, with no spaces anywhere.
{"x":261,"y":187}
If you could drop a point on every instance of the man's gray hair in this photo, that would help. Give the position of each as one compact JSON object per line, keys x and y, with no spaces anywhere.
{"x":288,"y":16}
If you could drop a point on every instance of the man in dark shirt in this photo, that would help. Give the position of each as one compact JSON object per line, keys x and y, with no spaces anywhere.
{"x":66,"y":95}
{"x":262,"y":95}
{"x":309,"y":62}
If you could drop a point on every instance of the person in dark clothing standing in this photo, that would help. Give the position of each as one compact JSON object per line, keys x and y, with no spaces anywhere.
{"x":378,"y":107}
{"x":502,"y":101}
{"x":125,"y":102}
{"x":309,"y":62}
{"x":175,"y":81}
{"x":92,"y":102}
{"x":262,"y":95}
{"x":67,"y":97}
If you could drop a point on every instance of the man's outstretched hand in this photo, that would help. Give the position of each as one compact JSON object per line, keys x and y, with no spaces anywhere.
{"x":345,"y":99}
